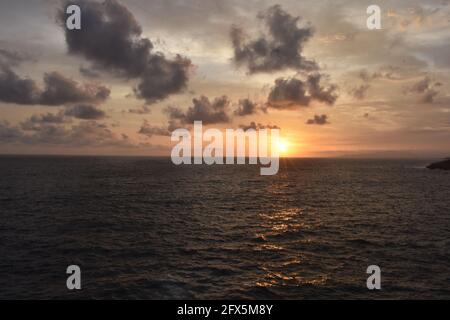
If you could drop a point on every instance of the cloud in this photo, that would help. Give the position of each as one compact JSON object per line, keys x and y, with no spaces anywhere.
{"x":415,"y":16}
{"x":141,"y":110}
{"x":92,"y":133}
{"x":58,"y":90}
{"x":85,"y":112}
{"x":279,"y":49}
{"x":359,"y":92}
{"x":110,"y":38}
{"x":429,"y":96}
{"x":9,"y":133}
{"x":426,"y":88}
{"x":327,"y":95}
{"x":292,"y":92}
{"x":14,"y":89}
{"x":86,"y":133}
{"x":388,"y":72}
{"x":318,"y":120}
{"x":61,"y":90}
{"x":149,"y":130}
{"x":35,"y":122}
{"x":13,"y":58}
{"x":421,"y":86}
{"x":88,"y":72}
{"x":257,"y":126}
{"x":246,"y":107}
{"x":163,"y":77}
{"x":209,"y":112}
{"x":365,"y":75}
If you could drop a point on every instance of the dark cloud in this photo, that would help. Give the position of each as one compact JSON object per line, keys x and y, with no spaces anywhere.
{"x":39,"y":121}
{"x":174,"y":113}
{"x":319,"y":120}
{"x":110,"y":37}
{"x":142,"y":110}
{"x":149,"y":130}
{"x":246,"y":107}
{"x":256,"y":126}
{"x":35,"y":122}
{"x":61,"y":90}
{"x":209,"y":112}
{"x":163,"y":77}
{"x":291,"y":93}
{"x":88,"y":72}
{"x":288,"y":93}
{"x":173,"y":125}
{"x":14,"y":89}
{"x":359,"y":92}
{"x":85,"y":112}
{"x":58,"y":90}
{"x":281,"y":48}
{"x":327,"y":95}
{"x":10,"y":134}
{"x":426,"y":88}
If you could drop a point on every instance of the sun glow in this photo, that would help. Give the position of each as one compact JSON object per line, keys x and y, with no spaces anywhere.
{"x":283,"y":146}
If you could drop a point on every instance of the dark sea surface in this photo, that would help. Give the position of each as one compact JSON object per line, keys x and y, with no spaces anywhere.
{"x":142,"y":228}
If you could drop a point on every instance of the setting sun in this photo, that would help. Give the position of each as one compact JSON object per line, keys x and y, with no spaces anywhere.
{"x":283,"y":146}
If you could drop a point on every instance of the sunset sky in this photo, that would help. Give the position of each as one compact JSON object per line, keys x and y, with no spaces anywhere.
{"x":141,"y":68}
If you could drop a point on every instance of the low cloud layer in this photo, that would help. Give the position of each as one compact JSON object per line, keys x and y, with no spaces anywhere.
{"x":278,"y":49}
{"x":110,"y":38}
{"x":36,"y":121}
{"x":83,"y":134}
{"x":149,"y":130}
{"x":58,"y":90}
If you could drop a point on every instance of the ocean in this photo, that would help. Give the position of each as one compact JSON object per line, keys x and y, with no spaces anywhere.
{"x":143,"y":228}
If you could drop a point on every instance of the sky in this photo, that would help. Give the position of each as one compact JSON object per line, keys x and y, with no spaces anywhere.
{"x":139,"y":69}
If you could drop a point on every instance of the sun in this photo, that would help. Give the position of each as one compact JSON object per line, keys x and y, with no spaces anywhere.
{"x":283,"y":146}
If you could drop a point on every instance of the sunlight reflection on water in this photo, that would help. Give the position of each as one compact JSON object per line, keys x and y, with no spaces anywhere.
{"x":284,"y":272}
